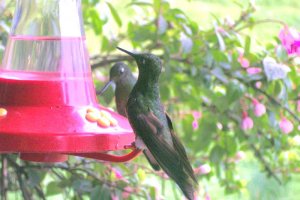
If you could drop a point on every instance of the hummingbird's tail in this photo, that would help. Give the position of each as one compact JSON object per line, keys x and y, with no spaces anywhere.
{"x":154,"y":164}
{"x":188,"y":190}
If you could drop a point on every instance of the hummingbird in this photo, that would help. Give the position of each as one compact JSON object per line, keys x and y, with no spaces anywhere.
{"x":153,"y":127}
{"x":122,"y":77}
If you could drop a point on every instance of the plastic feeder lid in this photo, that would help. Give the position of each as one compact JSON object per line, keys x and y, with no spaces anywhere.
{"x":48,"y":105}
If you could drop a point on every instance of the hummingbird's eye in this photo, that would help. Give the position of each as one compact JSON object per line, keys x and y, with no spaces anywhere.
{"x":121,"y":70}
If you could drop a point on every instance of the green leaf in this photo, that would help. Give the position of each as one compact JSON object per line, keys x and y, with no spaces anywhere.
{"x":139,"y":3}
{"x":247,"y":45}
{"x":272,"y":119}
{"x":156,"y":5}
{"x":222,"y":45}
{"x":35,"y":177}
{"x":115,"y":14}
{"x":95,"y":193}
{"x":216,"y":154}
{"x":229,"y":144}
{"x":97,"y":23}
{"x":90,"y":2}
{"x":219,"y":56}
{"x":281,"y":53}
{"x":234,"y":92}
{"x":105,"y":44}
{"x":53,"y":188}
{"x":81,"y":185}
{"x":141,"y":33}
{"x":105,"y":193}
{"x":141,"y":174}
{"x":218,"y":72}
{"x":207,"y":129}
{"x":152,"y":193}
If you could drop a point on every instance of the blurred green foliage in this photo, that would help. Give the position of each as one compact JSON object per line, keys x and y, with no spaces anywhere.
{"x":202,"y":73}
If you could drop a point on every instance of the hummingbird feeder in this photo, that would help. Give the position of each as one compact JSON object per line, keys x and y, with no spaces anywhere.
{"x":48,"y":104}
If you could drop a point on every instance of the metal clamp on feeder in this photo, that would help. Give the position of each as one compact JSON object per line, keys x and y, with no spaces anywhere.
{"x":48,"y":105}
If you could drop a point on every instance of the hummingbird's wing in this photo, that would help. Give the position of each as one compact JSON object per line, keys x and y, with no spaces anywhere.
{"x":151,"y":132}
{"x":178,"y":146}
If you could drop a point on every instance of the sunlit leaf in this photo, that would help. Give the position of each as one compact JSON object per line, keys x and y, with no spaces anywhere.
{"x":115,"y":14}
{"x":53,"y":188}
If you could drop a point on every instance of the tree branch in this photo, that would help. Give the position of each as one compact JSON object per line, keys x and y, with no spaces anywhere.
{"x":3,"y":177}
{"x":87,"y":172}
{"x":101,"y":61}
{"x":19,"y":171}
{"x":263,"y":21}
{"x":295,"y":116}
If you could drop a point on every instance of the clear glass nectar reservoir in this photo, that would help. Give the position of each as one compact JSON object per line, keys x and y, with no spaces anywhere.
{"x":47,"y":36}
{"x":46,"y":55}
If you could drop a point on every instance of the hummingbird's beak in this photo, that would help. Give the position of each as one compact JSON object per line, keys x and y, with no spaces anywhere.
{"x":104,"y":88}
{"x":128,"y":52}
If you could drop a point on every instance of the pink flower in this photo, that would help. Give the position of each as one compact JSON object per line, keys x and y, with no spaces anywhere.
{"x":295,"y":47}
{"x":247,"y":122}
{"x":207,"y":197}
{"x":229,"y":21}
{"x":253,"y":70}
{"x":239,"y":156}
{"x":243,"y":61}
{"x":117,"y":173}
{"x":259,"y":108}
{"x":203,"y":169}
{"x":287,"y":37}
{"x":298,"y":105}
{"x":126,"y":192}
{"x":286,"y":126}
{"x":258,"y":84}
{"x":221,"y":30}
{"x":196,"y":114}
{"x":195,"y":124}
{"x":114,"y":197}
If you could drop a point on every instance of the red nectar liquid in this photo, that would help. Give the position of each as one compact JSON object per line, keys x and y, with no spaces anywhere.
{"x":46,"y":71}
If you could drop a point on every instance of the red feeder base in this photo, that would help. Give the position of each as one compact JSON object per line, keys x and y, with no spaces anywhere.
{"x":42,"y":132}
{"x":49,"y":134}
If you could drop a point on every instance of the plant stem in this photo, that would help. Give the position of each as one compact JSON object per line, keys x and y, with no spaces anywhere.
{"x":3,"y":177}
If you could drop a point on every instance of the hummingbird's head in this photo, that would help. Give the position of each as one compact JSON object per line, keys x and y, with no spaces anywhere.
{"x":148,"y":64}
{"x":118,"y":72}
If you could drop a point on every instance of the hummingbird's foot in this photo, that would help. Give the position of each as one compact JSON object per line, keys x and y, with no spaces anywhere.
{"x":139,"y":143}
{"x":130,"y":146}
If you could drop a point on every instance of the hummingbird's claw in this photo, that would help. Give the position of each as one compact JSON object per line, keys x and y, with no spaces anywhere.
{"x":131,"y":146}
{"x":137,"y":144}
